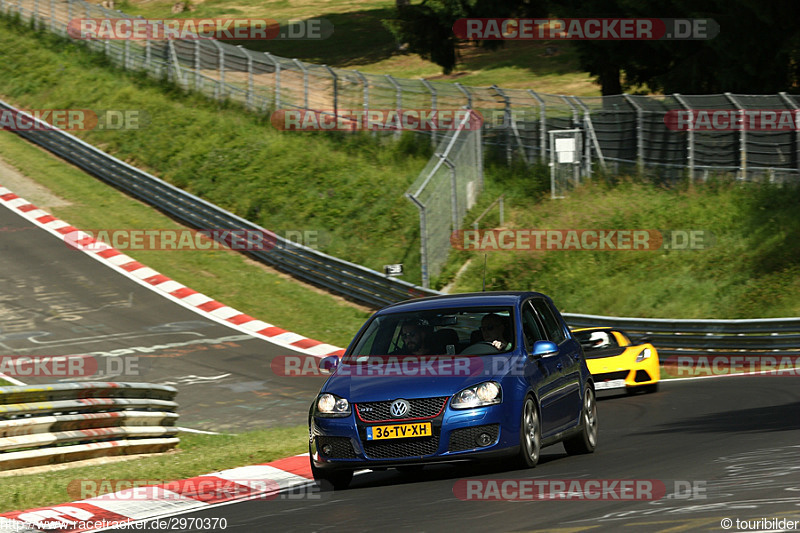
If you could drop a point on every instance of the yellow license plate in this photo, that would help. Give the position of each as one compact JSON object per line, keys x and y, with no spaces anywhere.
{"x":399,"y":431}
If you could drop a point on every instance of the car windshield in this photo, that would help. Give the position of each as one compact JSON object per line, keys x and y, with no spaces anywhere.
{"x":458,"y":331}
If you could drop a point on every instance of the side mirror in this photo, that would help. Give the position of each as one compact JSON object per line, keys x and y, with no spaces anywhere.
{"x":544,"y":349}
{"x":329,"y":364}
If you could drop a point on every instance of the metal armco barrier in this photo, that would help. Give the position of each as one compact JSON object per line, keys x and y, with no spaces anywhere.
{"x":45,"y":424}
{"x":773,"y":337}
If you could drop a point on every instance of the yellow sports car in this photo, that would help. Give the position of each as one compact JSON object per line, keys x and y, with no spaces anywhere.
{"x":616,"y":363}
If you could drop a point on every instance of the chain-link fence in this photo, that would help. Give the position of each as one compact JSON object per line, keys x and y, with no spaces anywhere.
{"x":445,"y":190}
{"x":621,"y":133}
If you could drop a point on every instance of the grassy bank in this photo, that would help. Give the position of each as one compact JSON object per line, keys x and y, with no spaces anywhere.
{"x":197,"y":455}
{"x":748,"y":268}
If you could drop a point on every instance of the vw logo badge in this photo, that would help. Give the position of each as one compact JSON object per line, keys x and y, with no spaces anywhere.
{"x":400,"y":408}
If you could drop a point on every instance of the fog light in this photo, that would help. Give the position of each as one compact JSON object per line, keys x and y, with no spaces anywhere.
{"x":483,"y":439}
{"x":326,"y":449}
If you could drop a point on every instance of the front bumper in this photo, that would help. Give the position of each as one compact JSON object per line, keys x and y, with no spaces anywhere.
{"x":623,"y":372}
{"x":341,"y":442}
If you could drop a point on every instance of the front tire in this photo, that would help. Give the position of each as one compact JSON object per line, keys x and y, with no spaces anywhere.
{"x":530,"y":435}
{"x":586,"y":440}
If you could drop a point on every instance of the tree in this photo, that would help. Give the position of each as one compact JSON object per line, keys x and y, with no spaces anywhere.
{"x":756,"y":51}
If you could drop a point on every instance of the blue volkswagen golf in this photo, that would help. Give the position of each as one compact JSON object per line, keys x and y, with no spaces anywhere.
{"x":453,"y":378}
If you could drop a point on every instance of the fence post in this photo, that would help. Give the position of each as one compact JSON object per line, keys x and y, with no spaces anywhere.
{"x":35,"y":15}
{"x":277,"y":98}
{"x":398,"y":102}
{"x":466,"y":94}
{"x":197,"y":77}
{"x":335,"y":90}
{"x":304,"y":70}
{"x":542,"y":126}
{"x":589,"y":127}
{"x":639,"y":132}
{"x":742,"y":137}
{"x":690,"y":138}
{"x":366,"y":90}
{"x":173,"y":59}
{"x":126,"y":54}
{"x":453,"y":192}
{"x":507,"y":123}
{"x":69,"y":15}
{"x":147,"y":54}
{"x":220,"y":91}
{"x":796,"y":108}
{"x":250,"y":88}
{"x":434,"y":105}
{"x":423,"y":241}
{"x":365,"y":83}
{"x":52,"y":15}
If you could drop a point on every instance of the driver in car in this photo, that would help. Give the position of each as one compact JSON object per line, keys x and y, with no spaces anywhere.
{"x":495,"y":331}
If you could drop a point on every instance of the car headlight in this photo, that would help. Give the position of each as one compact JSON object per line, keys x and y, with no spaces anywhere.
{"x":330,"y":405}
{"x":480,"y":395}
{"x":644,"y":354}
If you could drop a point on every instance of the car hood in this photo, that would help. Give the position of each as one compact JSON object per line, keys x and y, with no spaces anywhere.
{"x":387,"y":382}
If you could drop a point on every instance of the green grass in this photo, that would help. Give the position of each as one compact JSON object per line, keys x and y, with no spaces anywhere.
{"x":195,"y":455}
{"x":751,"y":269}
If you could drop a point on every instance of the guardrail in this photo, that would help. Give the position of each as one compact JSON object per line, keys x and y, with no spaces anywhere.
{"x":773,"y":337}
{"x":45,"y":424}
{"x":356,"y":282}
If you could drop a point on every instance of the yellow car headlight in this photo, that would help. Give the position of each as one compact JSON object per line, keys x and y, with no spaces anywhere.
{"x":644,"y":354}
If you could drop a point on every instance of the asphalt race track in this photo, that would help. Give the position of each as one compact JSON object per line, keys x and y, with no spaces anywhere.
{"x":57,"y":301}
{"x":730,"y":446}
{"x":721,"y":448}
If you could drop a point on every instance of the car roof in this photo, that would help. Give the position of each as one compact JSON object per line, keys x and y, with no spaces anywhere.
{"x":471,"y":299}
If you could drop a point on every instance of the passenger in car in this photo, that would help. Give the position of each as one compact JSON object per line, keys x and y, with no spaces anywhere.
{"x":417,"y":337}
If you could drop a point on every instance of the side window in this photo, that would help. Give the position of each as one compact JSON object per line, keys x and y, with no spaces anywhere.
{"x":551,"y":324}
{"x":530,"y":327}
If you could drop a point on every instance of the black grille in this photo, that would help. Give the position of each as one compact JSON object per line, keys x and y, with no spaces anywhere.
{"x":391,"y":448}
{"x":465,"y":438}
{"x":341,"y":447}
{"x":641,"y":376}
{"x":622,"y":374}
{"x":420,"y":408}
